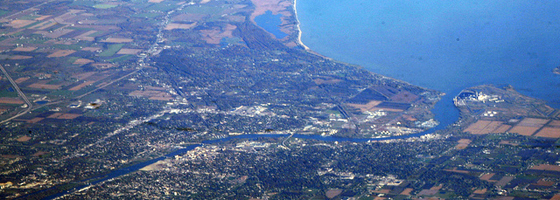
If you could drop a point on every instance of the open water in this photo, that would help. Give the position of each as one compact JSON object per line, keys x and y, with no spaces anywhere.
{"x":443,"y":45}
{"x":271,"y":23}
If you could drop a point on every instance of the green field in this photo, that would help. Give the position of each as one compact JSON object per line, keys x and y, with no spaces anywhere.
{"x":111,"y":50}
{"x":6,"y":93}
{"x":120,"y":59}
{"x":104,"y":6}
{"x":72,"y":59}
{"x":234,"y":40}
{"x":147,"y":15}
{"x":98,"y":33}
{"x":36,"y":39}
{"x":70,"y":47}
{"x":3,"y":12}
{"x":80,"y":28}
{"x":161,"y":7}
{"x":57,"y":93}
{"x":55,"y":81}
{"x":83,"y":3}
{"x":28,"y":17}
{"x":203,"y":10}
{"x":33,"y":24}
{"x":17,"y":34}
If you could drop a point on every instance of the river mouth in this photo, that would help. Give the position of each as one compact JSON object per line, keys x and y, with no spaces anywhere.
{"x":418,"y":67}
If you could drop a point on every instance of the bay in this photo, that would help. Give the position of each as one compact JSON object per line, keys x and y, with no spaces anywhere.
{"x":442,"y":45}
{"x":271,"y":23}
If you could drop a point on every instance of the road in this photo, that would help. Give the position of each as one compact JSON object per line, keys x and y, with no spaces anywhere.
{"x":20,"y":94}
{"x":286,"y":139}
{"x":154,"y":49}
{"x":23,"y":11}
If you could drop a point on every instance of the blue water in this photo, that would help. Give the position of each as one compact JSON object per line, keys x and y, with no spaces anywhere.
{"x":42,"y":102}
{"x":443,"y":45}
{"x":271,"y":23}
{"x":119,"y":172}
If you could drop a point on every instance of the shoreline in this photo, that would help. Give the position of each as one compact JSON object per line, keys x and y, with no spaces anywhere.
{"x":299,"y":42}
{"x":441,"y":94}
{"x":306,"y":48}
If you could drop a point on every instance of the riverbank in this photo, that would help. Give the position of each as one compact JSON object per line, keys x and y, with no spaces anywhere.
{"x":83,"y":185}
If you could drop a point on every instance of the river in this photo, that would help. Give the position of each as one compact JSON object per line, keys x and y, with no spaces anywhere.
{"x":133,"y":168}
{"x":442,"y":45}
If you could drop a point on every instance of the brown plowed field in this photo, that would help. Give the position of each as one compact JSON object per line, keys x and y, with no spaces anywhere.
{"x":9,"y":100}
{"x":25,"y":49}
{"x":549,"y":132}
{"x":61,"y":53}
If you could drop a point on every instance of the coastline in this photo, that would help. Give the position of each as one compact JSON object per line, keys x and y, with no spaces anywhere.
{"x":301,"y":44}
{"x":306,"y":48}
{"x":309,"y":50}
{"x":433,"y":108}
{"x":298,"y":29}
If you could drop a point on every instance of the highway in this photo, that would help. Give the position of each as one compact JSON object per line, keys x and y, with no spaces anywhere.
{"x":153,"y":50}
{"x":23,"y":11}
{"x":20,"y":94}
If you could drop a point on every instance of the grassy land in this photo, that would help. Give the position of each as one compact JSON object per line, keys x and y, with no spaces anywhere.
{"x":104,"y":6}
{"x":72,"y":59}
{"x":111,"y":50}
{"x":6,"y":93}
{"x":3,"y":12}
{"x":55,"y":81}
{"x":33,"y":24}
{"x":80,"y":28}
{"x":98,"y":33}
{"x":20,"y":68}
{"x":18,"y":34}
{"x":229,"y":40}
{"x":32,"y":40}
{"x":68,"y":47}
{"x":28,"y":17}
{"x":162,"y":7}
{"x":120,"y":59}
{"x":202,"y":10}
{"x":147,"y":15}
{"x":65,"y":93}
{"x":83,"y":3}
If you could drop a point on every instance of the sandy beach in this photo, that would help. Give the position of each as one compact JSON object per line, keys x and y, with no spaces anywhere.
{"x":299,"y":29}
